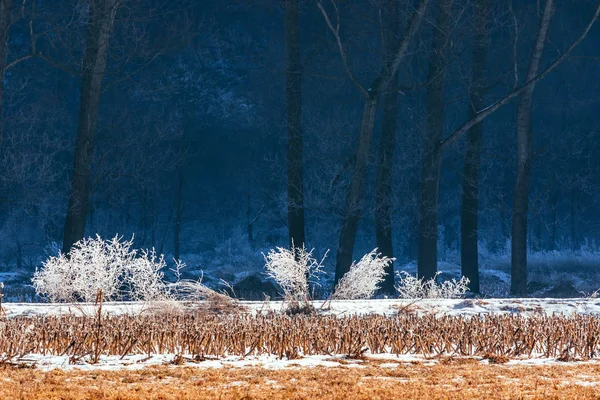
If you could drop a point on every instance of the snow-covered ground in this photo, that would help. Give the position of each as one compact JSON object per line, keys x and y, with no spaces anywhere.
{"x":134,"y":362}
{"x":464,"y":307}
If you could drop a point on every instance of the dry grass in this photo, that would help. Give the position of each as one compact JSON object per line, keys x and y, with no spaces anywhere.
{"x":451,"y":380}
{"x":208,"y":334}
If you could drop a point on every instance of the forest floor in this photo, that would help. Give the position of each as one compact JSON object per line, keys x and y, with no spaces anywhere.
{"x":450,"y":379}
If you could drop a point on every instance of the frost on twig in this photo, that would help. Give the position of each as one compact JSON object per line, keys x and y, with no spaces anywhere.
{"x":410,"y":287}
{"x":294,"y":270}
{"x":363,"y":278}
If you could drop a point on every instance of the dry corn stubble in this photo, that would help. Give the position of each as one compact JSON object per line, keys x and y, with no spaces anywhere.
{"x":202,"y":334}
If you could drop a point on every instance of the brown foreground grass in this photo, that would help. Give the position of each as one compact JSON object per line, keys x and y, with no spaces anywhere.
{"x":459,"y":379}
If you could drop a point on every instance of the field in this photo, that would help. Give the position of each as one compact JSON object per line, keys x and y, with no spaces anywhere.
{"x":448,"y":379}
{"x":510,"y":348}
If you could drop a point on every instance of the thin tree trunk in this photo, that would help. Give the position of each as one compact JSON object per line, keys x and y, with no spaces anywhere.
{"x":553,"y":220}
{"x":469,"y":253}
{"x":371,"y":95}
{"x":518,"y":284}
{"x":293,"y":94}
{"x":5,"y":11}
{"x":249,"y":222}
{"x":178,"y":214}
{"x":353,"y":209}
{"x":572,"y":222}
{"x":100,"y":26}
{"x":383,"y":184}
{"x":432,"y":154}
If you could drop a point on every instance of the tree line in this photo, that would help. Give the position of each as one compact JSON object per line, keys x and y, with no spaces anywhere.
{"x":301,"y":116}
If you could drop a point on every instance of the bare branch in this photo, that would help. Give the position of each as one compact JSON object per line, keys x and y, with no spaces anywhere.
{"x":336,"y":33}
{"x":482,"y":114}
{"x":388,"y":71}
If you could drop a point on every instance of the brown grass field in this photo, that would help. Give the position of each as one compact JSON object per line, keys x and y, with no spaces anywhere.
{"x":452,"y":379}
{"x":575,"y":337}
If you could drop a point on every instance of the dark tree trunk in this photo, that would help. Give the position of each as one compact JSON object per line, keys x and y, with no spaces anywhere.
{"x":553,"y":220}
{"x":178,"y":214}
{"x":293,"y":94}
{"x":469,"y":253}
{"x":383,"y":184}
{"x":100,"y":26}
{"x":518,"y":283}
{"x":432,"y":155}
{"x":249,"y":221}
{"x":572,"y":215}
{"x":5,"y":11}
{"x":353,"y":209}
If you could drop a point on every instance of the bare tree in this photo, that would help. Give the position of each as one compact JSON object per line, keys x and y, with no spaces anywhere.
{"x":432,"y":154}
{"x":100,"y":27}
{"x":518,"y":281}
{"x":383,"y":185}
{"x":371,"y":96}
{"x":5,"y":12}
{"x":472,"y":164}
{"x":427,"y":262}
{"x":293,"y":95}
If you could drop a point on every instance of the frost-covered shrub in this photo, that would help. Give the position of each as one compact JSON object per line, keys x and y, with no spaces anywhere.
{"x":293,"y":270}
{"x":97,"y":265}
{"x":410,"y":287}
{"x":363,"y":278}
{"x":143,"y":277}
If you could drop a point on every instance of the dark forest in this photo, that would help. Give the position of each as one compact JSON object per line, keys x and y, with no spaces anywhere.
{"x":459,"y":137}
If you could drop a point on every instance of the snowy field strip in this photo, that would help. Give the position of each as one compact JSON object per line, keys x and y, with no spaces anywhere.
{"x":462,"y":307}
{"x":135,"y":362}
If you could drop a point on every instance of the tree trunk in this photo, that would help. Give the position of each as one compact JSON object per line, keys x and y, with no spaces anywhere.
{"x":178,"y":214}
{"x":383,"y":184}
{"x":353,"y":209}
{"x":572,"y":222}
{"x":518,"y":282}
{"x":100,"y":26}
{"x":553,"y":218}
{"x":5,"y":10}
{"x":469,"y":253}
{"x":432,"y":155}
{"x":293,"y":95}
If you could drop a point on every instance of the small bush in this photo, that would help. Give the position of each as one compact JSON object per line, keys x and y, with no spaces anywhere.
{"x":111,"y":267}
{"x":363,"y":278}
{"x":411,"y":287}
{"x":294,"y":270}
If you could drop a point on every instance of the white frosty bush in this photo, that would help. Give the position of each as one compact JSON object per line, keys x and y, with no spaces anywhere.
{"x":410,"y":287}
{"x":109,"y":266}
{"x":293,"y":270}
{"x":363,"y":278}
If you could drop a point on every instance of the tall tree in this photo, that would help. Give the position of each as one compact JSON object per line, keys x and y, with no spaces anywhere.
{"x":371,"y":96}
{"x":432,"y":153}
{"x":518,"y":281}
{"x":293,"y":96}
{"x":383,"y":184}
{"x":469,"y":253}
{"x":429,"y":264}
{"x":101,"y":21}
{"x":5,"y":12}
{"x":178,"y":214}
